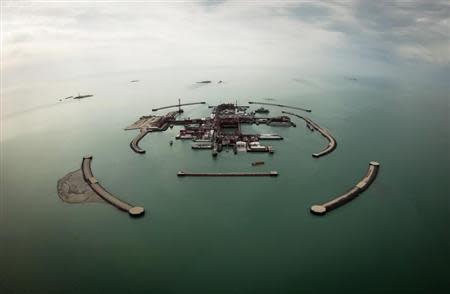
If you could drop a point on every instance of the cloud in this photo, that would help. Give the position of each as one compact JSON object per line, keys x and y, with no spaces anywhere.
{"x":414,"y":30}
{"x":319,"y":35}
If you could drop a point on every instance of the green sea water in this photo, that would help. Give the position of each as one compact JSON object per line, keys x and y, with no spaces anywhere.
{"x":228,"y":235}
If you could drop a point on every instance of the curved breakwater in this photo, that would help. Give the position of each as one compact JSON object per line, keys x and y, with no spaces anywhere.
{"x":321,"y":209}
{"x":99,"y":190}
{"x":314,"y":126}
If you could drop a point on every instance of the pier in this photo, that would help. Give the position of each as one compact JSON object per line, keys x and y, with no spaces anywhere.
{"x":361,"y":186}
{"x":230,"y":174}
{"x":178,"y":105}
{"x":134,"y":144}
{"x":280,"y":105}
{"x":108,"y":197}
{"x":313,"y":126}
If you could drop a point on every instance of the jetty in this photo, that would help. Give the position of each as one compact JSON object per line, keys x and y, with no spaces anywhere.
{"x":148,"y":124}
{"x":361,"y":186}
{"x":230,"y":174}
{"x":314,"y":126}
{"x":100,"y":191}
{"x":134,"y":144}
{"x":178,"y":105}
{"x":280,"y":105}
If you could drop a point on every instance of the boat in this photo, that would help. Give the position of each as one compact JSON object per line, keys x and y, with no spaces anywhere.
{"x":202,"y":146}
{"x":270,"y":137}
{"x":256,"y":147}
{"x":262,"y":110}
{"x":201,"y":140}
{"x":171,"y":143}
{"x":241,"y":146}
{"x":255,"y":163}
{"x":215,"y":150}
{"x":82,"y":96}
{"x":184,"y":137}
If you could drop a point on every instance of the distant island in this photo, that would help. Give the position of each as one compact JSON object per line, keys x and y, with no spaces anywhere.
{"x":76,"y":97}
{"x":82,"y":96}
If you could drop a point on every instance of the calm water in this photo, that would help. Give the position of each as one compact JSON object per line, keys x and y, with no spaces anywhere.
{"x":243,"y":235}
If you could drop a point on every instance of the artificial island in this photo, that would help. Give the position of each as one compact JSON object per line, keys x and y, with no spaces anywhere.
{"x":221,"y":130}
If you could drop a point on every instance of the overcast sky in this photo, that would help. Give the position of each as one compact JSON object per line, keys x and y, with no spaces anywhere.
{"x":44,"y":39}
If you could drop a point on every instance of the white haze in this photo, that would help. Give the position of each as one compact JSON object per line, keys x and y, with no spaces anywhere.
{"x":54,"y":40}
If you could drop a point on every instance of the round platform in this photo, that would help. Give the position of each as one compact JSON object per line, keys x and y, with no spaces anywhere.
{"x":136,"y":211}
{"x":318,"y":209}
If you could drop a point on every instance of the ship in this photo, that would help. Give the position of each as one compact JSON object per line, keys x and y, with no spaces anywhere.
{"x":82,"y":96}
{"x":270,"y":137}
{"x":202,"y":146}
{"x":201,"y":140}
{"x":257,"y":147}
{"x":262,"y":110}
{"x":184,"y":137}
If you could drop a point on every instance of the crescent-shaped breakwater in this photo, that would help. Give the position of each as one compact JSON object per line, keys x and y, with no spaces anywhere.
{"x":313,"y":126}
{"x":280,"y":105}
{"x":178,"y":105}
{"x":134,"y":144}
{"x":148,"y":124}
{"x":361,"y":186}
{"x":95,"y":185}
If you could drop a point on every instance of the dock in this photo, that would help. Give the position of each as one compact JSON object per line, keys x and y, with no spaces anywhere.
{"x":134,"y":144}
{"x":230,"y":174}
{"x":361,"y":186}
{"x":99,"y":190}
{"x":280,"y":105}
{"x":332,"y":144}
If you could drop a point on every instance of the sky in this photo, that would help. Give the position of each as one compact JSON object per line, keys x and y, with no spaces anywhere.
{"x":44,"y":40}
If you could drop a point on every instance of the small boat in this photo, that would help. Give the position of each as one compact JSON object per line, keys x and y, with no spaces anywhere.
{"x":171,"y":143}
{"x":255,"y":163}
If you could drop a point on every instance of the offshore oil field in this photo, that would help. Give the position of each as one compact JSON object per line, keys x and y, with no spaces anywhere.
{"x":224,"y":147}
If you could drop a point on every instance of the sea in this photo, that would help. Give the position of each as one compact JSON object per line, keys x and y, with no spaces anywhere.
{"x":228,"y":235}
